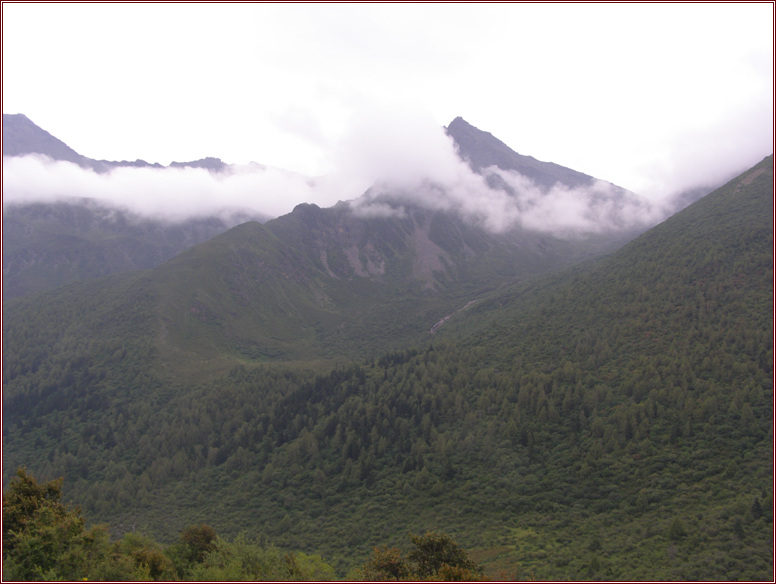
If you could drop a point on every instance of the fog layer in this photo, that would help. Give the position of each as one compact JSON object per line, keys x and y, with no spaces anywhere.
{"x":386,"y":161}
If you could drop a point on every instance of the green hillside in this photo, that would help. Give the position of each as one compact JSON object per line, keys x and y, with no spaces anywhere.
{"x":47,"y":245}
{"x":314,"y":284}
{"x":324,"y":283}
{"x":612,"y":421}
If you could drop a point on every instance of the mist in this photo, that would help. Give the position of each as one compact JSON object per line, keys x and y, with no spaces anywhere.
{"x":172,"y":194}
{"x":415,"y":163}
{"x":387,"y":160}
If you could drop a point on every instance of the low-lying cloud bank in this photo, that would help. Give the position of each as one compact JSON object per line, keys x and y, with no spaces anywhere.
{"x":174,"y":194}
{"x":386,"y":163}
{"x":564,"y":211}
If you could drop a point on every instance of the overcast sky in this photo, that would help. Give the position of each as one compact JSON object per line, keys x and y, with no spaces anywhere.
{"x":652,"y":97}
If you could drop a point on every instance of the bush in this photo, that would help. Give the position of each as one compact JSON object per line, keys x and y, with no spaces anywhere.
{"x":436,"y":557}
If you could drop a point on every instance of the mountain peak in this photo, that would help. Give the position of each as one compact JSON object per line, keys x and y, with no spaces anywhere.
{"x":482,"y":149}
{"x":19,"y":117}
{"x":21,"y":136}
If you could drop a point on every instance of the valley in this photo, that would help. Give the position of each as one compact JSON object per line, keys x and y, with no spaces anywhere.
{"x":595,"y":407}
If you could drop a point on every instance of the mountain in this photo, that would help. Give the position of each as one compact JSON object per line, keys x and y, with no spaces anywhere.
{"x":611,"y":420}
{"x":46,"y":245}
{"x":325,"y":282}
{"x":209,"y":163}
{"x":314,"y":284}
{"x":21,"y":136}
{"x":338,"y":282}
{"x":481,"y":150}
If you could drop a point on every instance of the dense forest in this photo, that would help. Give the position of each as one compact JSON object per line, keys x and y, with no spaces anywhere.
{"x":611,"y":421}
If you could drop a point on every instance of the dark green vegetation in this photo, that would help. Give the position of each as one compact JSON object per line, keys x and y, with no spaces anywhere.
{"x":435,"y":557}
{"x":611,"y":421}
{"x":46,"y":245}
{"x":44,"y":539}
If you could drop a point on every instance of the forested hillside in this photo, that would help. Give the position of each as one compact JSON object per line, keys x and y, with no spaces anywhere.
{"x":611,"y":421}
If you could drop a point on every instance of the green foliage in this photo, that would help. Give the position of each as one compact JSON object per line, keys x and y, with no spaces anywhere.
{"x":43,"y":539}
{"x":246,"y":560}
{"x":312,"y":568}
{"x":435,"y":557}
{"x":677,"y":530}
{"x":385,"y":564}
{"x":40,"y":534}
{"x":198,"y":540}
{"x":149,"y":562}
{"x":194,"y":543}
{"x":25,"y":500}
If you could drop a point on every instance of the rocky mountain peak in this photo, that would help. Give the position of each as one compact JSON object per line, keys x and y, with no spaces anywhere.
{"x":482,"y":149}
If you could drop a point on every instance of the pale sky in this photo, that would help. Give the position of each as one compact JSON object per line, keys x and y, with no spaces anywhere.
{"x":652,"y":97}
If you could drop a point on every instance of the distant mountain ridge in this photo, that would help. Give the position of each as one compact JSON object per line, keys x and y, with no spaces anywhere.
{"x":22,"y":136}
{"x":49,"y":245}
{"x":480,"y":149}
{"x":46,"y":245}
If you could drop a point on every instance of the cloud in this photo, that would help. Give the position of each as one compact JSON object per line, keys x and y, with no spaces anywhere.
{"x":710,"y":155}
{"x":170,"y":193}
{"x":595,"y":208}
{"x":299,"y":121}
{"x":410,"y":161}
{"x":390,"y":158}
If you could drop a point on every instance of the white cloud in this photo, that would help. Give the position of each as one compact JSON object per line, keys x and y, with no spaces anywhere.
{"x":393,"y":155}
{"x":171,"y":193}
{"x":409,"y":160}
{"x":588,"y":86}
